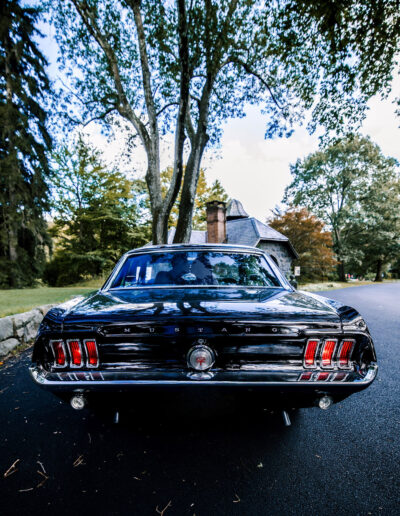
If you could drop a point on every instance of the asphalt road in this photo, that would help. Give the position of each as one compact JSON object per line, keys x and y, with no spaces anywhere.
{"x":207,"y":457}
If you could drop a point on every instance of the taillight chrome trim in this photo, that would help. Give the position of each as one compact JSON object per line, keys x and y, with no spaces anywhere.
{"x":322,"y":347}
{"x":91,"y":366}
{"x":349,"y":364}
{"x":314,"y":376}
{"x":71,"y":362}
{"x":55,"y":365}
{"x":314,"y":365}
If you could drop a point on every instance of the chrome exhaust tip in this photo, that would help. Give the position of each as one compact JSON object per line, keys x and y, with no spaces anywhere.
{"x":325,"y":402}
{"x":78,"y":402}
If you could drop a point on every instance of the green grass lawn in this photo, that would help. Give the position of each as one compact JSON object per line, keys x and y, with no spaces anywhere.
{"x":21,"y":300}
{"x":334,"y":285}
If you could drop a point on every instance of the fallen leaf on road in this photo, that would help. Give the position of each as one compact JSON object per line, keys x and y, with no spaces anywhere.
{"x":318,"y":456}
{"x":161,"y":513}
{"x":261,"y":465}
{"x":41,"y":465}
{"x":12,"y":469}
{"x":237,"y":499}
{"x":45,"y":478}
{"x":78,"y":461}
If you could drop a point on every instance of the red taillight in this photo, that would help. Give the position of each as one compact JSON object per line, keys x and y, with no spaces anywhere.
{"x":309,"y":355}
{"x":92,"y":355}
{"x":76,"y":353}
{"x":59,"y":353}
{"x":305,"y":377}
{"x":327,"y":353}
{"x":322,"y":377}
{"x":345,"y":353}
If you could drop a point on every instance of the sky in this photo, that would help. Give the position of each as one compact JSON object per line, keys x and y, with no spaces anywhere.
{"x":252,"y":169}
{"x":256,"y":170}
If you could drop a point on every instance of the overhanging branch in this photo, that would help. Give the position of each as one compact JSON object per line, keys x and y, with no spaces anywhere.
{"x":166,"y":107}
{"x":101,"y":116}
{"x":250,"y":71}
{"x":124,"y":108}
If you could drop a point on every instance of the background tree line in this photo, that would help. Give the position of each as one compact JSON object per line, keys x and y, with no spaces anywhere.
{"x":165,"y":70}
{"x":354,"y":191}
{"x":98,"y":214}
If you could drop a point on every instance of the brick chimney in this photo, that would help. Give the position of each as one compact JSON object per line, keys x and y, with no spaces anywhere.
{"x":216,"y":222}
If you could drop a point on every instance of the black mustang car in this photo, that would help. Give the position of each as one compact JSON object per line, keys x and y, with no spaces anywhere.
{"x":205,"y":316}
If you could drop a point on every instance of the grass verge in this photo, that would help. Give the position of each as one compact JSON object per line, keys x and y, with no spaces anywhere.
{"x":335,"y":285}
{"x":16,"y":301}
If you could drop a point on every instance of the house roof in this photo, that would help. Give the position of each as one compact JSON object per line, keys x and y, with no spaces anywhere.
{"x":235,"y":210}
{"x":251,"y":231}
{"x":241,"y":229}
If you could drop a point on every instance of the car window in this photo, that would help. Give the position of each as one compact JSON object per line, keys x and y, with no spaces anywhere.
{"x":195,"y":268}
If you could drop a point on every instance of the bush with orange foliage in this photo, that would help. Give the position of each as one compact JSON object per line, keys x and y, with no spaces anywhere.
{"x":312,"y":243}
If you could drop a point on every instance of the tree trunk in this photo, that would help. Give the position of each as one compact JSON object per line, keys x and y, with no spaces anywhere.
{"x":186,"y":206}
{"x":12,"y":245}
{"x":159,"y":226}
{"x":341,"y":270}
{"x":198,"y":142}
{"x":379,"y":265}
{"x":12,"y":210}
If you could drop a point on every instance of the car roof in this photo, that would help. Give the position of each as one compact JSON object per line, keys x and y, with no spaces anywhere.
{"x":185,"y":247}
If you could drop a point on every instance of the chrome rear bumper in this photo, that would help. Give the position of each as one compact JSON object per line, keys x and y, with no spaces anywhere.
{"x":114,"y":381}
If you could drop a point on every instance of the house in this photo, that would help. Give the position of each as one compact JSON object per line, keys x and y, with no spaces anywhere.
{"x":232,"y":225}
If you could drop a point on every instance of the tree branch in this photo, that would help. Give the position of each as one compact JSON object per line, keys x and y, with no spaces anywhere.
{"x":146,"y":74}
{"x":222,"y":36}
{"x":180,"y":137}
{"x":189,"y":127}
{"x":166,"y":107}
{"x":124,"y":108}
{"x":102,"y":116}
{"x":250,"y":71}
{"x":160,"y":215}
{"x":195,"y":98}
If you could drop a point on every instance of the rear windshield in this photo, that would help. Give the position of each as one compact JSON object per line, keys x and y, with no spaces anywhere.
{"x":195,"y":268}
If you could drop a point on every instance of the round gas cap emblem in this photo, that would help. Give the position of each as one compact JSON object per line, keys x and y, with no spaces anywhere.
{"x":200,"y":358}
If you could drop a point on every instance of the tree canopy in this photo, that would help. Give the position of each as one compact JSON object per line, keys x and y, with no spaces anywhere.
{"x":374,"y":230}
{"x":24,"y":140}
{"x":349,"y":183}
{"x":178,"y":68}
{"x":95,"y":216}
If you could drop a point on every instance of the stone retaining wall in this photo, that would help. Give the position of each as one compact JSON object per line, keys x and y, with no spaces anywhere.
{"x":20,"y":328}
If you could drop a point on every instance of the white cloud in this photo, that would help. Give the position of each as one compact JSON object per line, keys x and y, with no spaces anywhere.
{"x":255,"y":170}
